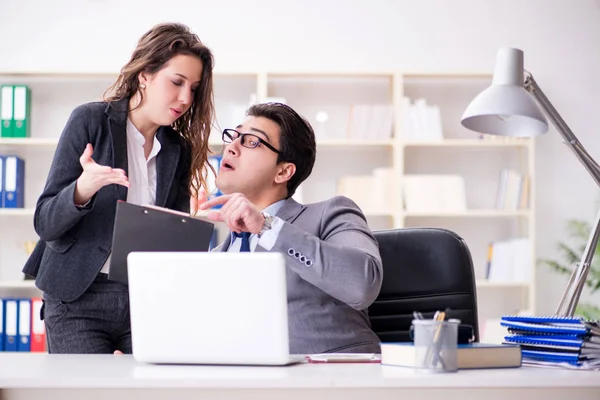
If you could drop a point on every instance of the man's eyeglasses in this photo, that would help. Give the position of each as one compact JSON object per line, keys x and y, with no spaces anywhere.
{"x":246,"y":139}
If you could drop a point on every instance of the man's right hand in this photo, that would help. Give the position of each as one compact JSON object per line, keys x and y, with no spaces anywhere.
{"x":95,"y":176}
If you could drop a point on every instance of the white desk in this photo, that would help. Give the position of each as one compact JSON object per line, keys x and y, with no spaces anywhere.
{"x":66,"y":377}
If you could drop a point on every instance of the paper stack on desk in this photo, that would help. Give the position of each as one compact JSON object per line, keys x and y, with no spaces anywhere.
{"x":555,"y":341}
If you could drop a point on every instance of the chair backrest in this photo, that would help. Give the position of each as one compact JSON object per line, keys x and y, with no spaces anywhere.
{"x":425,"y":270}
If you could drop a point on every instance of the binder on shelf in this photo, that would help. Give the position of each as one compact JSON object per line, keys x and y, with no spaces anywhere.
{"x":11,"y":319}
{"x":14,"y":182}
{"x":38,"y":328}
{"x":24,"y":329}
{"x":21,"y":111}
{"x":2,"y":181}
{"x":151,"y":228}
{"x":1,"y":324}
{"x":213,"y":190}
{"x":6,"y":111}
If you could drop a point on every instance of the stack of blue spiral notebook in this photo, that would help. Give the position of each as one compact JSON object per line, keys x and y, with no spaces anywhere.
{"x":555,"y":341}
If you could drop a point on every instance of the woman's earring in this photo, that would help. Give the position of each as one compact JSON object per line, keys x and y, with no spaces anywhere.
{"x":142,"y":86}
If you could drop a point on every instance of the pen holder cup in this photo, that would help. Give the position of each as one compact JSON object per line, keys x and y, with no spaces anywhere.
{"x":436,"y":348}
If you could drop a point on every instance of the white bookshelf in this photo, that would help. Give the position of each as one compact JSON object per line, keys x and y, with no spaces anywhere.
{"x":491,"y":213}
{"x":52,"y":142}
{"x":340,"y":153}
{"x":472,"y":143}
{"x":25,"y":284}
{"x":341,"y":143}
{"x":17,"y":212}
{"x":482,"y":283}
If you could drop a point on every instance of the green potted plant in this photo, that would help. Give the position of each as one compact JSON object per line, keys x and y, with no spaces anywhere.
{"x":578,"y":233}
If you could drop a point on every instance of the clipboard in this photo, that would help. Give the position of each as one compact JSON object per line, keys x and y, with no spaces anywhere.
{"x":150,"y":228}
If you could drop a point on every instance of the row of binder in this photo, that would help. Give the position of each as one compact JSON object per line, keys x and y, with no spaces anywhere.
{"x":554,"y":340}
{"x":12,"y":182}
{"x":15,"y":106}
{"x":21,"y":328}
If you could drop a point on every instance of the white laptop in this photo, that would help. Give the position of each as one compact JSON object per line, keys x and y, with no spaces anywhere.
{"x":209,"y":308}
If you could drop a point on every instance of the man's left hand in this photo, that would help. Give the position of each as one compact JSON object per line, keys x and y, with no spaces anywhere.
{"x":237,"y":212}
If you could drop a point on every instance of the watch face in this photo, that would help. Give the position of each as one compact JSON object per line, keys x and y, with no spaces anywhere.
{"x":267,"y":224}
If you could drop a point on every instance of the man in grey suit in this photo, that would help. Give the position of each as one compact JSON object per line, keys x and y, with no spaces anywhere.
{"x":334,"y":269}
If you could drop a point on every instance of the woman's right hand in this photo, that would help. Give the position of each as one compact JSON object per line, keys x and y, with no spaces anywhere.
{"x":95,"y":176}
{"x":196,"y":201}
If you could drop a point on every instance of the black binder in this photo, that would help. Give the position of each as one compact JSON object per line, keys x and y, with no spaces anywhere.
{"x":148,"y":228}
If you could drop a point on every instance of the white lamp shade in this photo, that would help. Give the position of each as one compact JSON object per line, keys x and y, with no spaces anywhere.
{"x":506,"y":108}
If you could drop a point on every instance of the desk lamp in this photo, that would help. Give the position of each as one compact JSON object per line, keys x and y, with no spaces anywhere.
{"x":508,"y":108}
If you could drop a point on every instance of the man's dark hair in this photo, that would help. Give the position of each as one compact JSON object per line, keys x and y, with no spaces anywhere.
{"x":297,"y":140}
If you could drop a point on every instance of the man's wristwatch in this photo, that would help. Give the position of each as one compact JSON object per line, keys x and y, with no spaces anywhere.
{"x":267,"y":225}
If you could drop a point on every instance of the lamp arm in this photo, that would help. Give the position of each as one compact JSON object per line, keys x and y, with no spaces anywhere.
{"x":570,"y":139}
{"x":571,"y":296}
{"x":570,"y":299}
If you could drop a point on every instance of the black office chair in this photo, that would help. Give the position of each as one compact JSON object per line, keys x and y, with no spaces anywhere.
{"x":424,"y":269}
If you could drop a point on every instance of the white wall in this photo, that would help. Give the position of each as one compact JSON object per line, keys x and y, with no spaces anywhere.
{"x":561,"y":40}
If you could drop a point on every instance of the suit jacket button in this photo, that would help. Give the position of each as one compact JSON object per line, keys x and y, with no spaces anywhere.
{"x":297,"y":254}
{"x":308,"y":263}
{"x":291,"y":252}
{"x":303,"y":259}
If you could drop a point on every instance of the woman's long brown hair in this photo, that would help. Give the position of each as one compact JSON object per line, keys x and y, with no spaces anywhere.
{"x":154,"y":49}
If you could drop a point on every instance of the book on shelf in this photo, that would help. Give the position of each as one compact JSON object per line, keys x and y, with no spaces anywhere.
{"x":509,"y":261}
{"x":370,"y":122}
{"x":513,"y":191}
{"x":372,"y":193}
{"x":422,"y":122}
{"x":434,"y":193}
{"x":498,"y":138}
{"x":469,"y":356}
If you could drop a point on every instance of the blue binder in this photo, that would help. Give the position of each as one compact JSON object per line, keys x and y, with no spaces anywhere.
{"x":24,"y":328}
{"x":11,"y":321}
{"x":2,"y":324}
{"x":543,"y":319}
{"x":1,"y":181}
{"x":14,"y":182}
{"x":556,"y":342}
{"x":213,"y":190}
{"x":571,"y":358}
{"x":540,"y":328}
{"x":554,"y":339}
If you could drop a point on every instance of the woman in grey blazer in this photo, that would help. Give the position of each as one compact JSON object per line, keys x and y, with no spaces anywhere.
{"x":146,"y":143}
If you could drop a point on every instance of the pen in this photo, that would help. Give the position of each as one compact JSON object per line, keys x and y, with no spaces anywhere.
{"x":438,"y":318}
